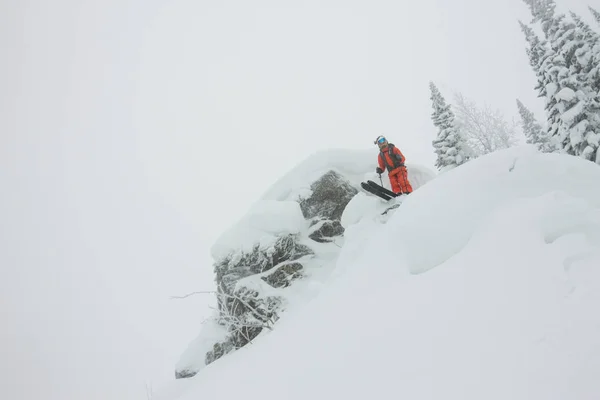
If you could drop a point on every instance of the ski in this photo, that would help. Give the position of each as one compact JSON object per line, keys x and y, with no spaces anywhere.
{"x":382,"y":189}
{"x":374,"y":191}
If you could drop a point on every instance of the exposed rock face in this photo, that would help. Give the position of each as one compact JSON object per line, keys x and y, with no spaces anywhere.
{"x":330,"y":195}
{"x":245,"y":305}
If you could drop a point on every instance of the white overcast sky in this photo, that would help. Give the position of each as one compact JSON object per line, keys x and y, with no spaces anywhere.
{"x":134,"y":132}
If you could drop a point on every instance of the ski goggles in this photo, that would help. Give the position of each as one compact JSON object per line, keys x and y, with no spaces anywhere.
{"x":380,"y":140}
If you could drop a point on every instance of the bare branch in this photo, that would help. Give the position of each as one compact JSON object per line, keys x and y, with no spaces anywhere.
{"x":193,"y":293}
{"x":485,"y":129}
{"x":234,"y":321}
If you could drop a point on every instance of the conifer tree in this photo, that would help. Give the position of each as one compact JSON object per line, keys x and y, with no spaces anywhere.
{"x":543,"y":12}
{"x":571,"y":101}
{"x":533,"y":131}
{"x":450,"y":146}
{"x":595,"y":13}
{"x":539,"y":54}
{"x":540,"y":58}
{"x":588,"y":54}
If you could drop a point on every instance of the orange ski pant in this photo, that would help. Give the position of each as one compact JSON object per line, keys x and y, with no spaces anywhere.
{"x":399,"y":180}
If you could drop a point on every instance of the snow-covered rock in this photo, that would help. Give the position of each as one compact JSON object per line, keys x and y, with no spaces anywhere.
{"x":295,"y":230}
{"x":263,"y":223}
{"x":508,"y":312}
{"x":324,"y":206}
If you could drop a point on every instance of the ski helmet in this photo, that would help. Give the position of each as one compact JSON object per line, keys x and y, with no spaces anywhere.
{"x":380,"y":140}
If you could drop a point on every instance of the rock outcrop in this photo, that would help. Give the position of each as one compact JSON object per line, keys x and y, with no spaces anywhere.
{"x":251,"y":285}
{"x":324,"y":208}
{"x":244,"y":310}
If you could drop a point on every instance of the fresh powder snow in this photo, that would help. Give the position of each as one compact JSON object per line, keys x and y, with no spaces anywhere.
{"x":483,"y":284}
{"x":261,"y":224}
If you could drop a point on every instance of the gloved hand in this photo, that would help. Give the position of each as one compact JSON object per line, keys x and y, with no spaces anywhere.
{"x":379,"y":170}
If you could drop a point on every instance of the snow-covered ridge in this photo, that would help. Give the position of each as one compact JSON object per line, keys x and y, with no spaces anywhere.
{"x":509,"y":311}
{"x":295,"y":230}
{"x":278,"y":209}
{"x":496,"y":180}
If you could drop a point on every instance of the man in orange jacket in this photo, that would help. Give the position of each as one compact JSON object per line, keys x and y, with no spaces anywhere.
{"x":392,"y":159}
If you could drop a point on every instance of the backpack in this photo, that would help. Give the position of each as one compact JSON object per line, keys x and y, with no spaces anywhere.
{"x":396,"y":162}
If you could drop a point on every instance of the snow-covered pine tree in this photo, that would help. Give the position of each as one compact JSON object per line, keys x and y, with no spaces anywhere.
{"x":538,"y":53}
{"x":540,"y":56}
{"x":595,"y":13}
{"x":573,"y":118}
{"x":587,"y":69}
{"x":588,"y":55}
{"x":449,"y":145}
{"x":577,"y":98}
{"x":565,"y":97}
{"x":537,"y":48}
{"x":543,"y":12}
{"x":533,"y":131}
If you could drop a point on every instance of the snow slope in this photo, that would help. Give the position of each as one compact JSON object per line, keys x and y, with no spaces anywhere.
{"x":508,"y":312}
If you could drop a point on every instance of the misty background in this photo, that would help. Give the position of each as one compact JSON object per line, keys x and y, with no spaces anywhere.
{"x":132,"y":133}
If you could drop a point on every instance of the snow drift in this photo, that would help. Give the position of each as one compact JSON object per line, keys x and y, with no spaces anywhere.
{"x":508,"y":312}
{"x":487,"y":183}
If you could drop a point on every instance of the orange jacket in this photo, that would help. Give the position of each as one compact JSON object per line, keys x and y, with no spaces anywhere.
{"x":394,"y":159}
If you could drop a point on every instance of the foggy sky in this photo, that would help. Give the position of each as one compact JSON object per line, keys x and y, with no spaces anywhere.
{"x":134,"y":132}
